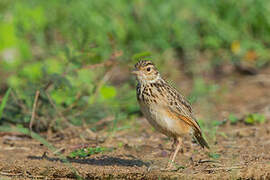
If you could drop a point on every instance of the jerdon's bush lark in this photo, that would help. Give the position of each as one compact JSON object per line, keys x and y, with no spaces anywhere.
{"x":165,"y":108}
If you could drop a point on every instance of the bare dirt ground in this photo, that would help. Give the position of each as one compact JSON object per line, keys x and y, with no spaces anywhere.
{"x":240,"y":151}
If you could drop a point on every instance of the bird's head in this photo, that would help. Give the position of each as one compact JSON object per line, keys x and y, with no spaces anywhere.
{"x":146,"y":72}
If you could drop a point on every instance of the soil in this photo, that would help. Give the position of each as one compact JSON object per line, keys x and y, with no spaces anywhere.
{"x":238,"y":151}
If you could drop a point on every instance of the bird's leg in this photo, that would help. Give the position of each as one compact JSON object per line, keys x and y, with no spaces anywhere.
{"x":170,"y":165}
{"x":172,"y":149}
{"x":175,"y":141}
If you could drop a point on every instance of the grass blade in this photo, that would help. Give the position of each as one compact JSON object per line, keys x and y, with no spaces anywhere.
{"x":4,"y":102}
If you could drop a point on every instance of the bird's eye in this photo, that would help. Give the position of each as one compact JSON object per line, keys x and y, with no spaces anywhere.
{"x":148,"y":69}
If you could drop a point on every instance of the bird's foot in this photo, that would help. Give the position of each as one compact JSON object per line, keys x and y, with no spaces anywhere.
{"x":152,"y":167}
{"x":172,"y":167}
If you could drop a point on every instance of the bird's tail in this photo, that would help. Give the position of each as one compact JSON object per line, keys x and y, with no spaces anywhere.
{"x":201,"y":140}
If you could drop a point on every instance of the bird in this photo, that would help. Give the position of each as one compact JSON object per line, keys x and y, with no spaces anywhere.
{"x":165,"y":108}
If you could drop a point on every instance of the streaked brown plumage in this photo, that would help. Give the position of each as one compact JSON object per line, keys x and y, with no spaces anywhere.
{"x":164,"y":107}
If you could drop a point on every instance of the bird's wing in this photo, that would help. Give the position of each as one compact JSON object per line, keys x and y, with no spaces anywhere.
{"x":182,"y":108}
{"x":188,"y":119}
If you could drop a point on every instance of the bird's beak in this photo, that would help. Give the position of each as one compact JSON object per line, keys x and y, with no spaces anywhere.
{"x":135,"y":71}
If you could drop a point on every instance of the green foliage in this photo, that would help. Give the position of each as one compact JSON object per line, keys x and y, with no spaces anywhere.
{"x":214,"y":155}
{"x":108,"y":92}
{"x":201,"y":89}
{"x":233,"y":119}
{"x":142,"y":55}
{"x":255,"y":118}
{"x":85,"y":152}
{"x":201,"y":123}
{"x":120,"y":145}
{"x":217,"y":123}
{"x":4,"y":102}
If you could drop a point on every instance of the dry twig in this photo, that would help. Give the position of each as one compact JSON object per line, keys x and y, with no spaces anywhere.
{"x":224,"y":168}
{"x":208,"y":160}
{"x":10,"y":174}
{"x":34,"y":110}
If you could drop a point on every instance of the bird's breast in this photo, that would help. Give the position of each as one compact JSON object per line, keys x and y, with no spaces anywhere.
{"x":164,"y":121}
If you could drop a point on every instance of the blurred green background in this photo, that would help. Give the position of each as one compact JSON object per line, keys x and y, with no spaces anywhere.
{"x":78,"y":54}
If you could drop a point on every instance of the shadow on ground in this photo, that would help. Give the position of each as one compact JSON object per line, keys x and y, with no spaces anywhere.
{"x":102,"y":161}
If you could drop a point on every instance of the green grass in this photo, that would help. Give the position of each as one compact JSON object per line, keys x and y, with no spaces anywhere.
{"x":233,"y":119}
{"x":85,"y":152}
{"x":214,"y":155}
{"x":254,"y":118}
